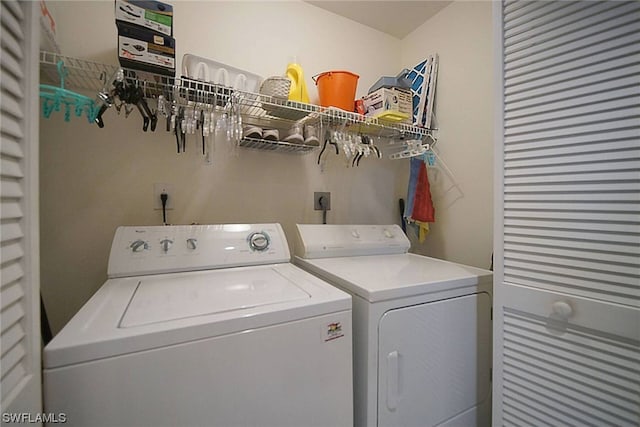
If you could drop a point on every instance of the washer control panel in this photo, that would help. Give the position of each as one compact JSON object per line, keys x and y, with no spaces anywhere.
{"x":164,"y":249}
{"x":329,"y":240}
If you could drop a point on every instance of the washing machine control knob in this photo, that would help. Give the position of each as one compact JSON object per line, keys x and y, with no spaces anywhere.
{"x":355,"y":234}
{"x":388,"y":233}
{"x":192,"y":244}
{"x":259,"y":241}
{"x":139,"y":246}
{"x":165,"y":245}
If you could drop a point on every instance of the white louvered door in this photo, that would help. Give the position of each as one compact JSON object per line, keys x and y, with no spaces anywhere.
{"x":567,"y":217}
{"x":20,"y":343}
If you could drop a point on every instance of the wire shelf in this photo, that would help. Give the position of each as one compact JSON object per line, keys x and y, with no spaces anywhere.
{"x":257,"y":109}
{"x":82,"y":74}
{"x":357,"y":123}
{"x":280,"y":146}
{"x":252,"y":104}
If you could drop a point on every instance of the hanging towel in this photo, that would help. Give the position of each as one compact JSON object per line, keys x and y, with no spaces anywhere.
{"x":422,"y":210}
{"x":423,"y":230}
{"x":414,"y":171}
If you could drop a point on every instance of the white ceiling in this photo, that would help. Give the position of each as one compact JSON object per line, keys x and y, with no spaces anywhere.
{"x":397,"y":18}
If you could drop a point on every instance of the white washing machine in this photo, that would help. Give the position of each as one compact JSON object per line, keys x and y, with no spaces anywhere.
{"x":421,"y":326}
{"x":204,"y":326}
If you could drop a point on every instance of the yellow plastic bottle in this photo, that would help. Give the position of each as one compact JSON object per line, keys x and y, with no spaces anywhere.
{"x":298,"y":91}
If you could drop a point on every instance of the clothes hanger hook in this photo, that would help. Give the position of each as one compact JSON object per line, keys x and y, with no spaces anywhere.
{"x":62,"y":72}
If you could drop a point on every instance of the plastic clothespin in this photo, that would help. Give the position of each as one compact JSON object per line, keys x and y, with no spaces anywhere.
{"x":429,"y":158}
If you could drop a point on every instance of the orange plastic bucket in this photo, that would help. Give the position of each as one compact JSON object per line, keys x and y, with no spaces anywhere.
{"x":337,"y":89}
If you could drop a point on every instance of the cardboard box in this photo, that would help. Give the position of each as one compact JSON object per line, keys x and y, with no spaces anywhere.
{"x":152,"y":15}
{"x":388,"y":99}
{"x":141,"y":49}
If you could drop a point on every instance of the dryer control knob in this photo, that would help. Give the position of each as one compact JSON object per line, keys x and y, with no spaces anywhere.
{"x":192,"y":244}
{"x":139,"y":246}
{"x":165,"y":245}
{"x":355,"y":234}
{"x":259,"y":241}
{"x":388,"y":233}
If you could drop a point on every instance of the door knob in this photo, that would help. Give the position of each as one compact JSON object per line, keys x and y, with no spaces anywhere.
{"x":562,"y":309}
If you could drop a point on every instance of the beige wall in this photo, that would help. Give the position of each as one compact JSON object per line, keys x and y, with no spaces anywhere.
{"x":93,"y":180}
{"x":461,"y":34}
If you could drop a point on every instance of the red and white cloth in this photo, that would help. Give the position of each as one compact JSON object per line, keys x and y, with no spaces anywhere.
{"x":419,"y":208}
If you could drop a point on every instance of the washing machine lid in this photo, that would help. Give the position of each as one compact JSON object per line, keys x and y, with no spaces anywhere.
{"x":384,"y":277}
{"x":161,"y":298}
{"x":132,"y":314}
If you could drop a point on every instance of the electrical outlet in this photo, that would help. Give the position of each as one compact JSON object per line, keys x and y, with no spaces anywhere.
{"x":326,"y":198}
{"x":158,"y":189}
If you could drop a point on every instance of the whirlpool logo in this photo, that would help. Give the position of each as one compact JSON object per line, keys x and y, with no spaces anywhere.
{"x":333,"y":331}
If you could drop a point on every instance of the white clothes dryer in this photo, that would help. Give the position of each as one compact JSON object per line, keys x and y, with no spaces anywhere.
{"x":421,"y":326}
{"x":204,"y":326}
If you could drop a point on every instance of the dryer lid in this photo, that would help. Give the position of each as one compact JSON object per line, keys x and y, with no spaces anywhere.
{"x":160,"y":298}
{"x":383,"y":277}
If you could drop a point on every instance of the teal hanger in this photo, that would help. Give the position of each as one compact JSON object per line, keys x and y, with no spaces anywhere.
{"x":55,"y":98}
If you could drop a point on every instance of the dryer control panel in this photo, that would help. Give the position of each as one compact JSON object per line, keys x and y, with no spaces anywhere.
{"x":166,"y":249}
{"x":329,"y":240}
